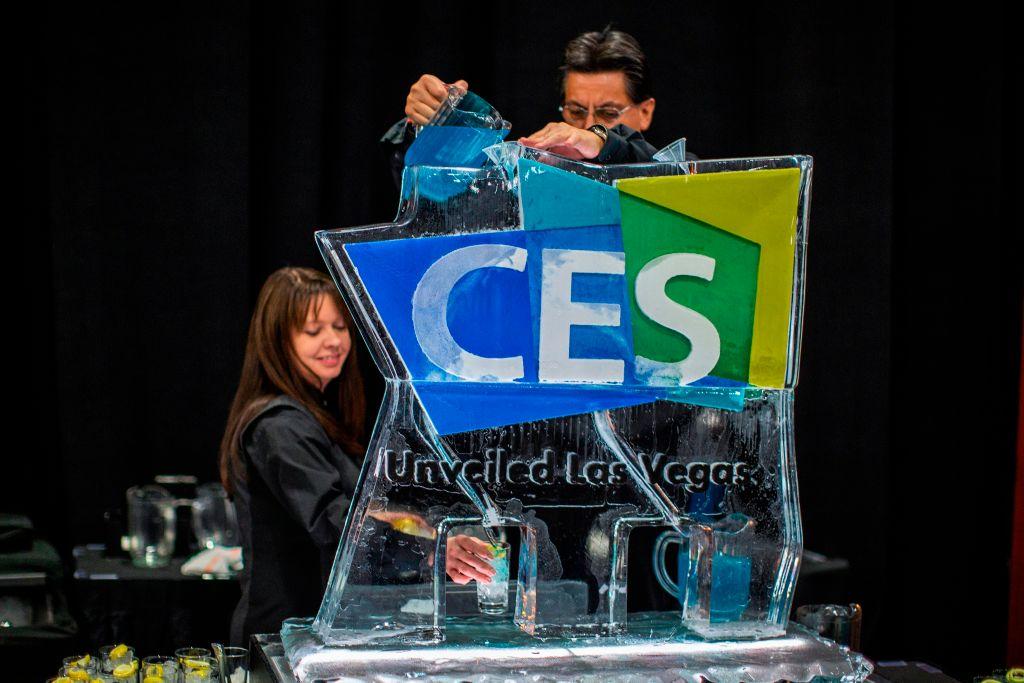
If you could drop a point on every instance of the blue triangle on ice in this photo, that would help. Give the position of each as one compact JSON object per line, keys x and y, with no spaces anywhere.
{"x":456,"y":407}
{"x":553,"y":198}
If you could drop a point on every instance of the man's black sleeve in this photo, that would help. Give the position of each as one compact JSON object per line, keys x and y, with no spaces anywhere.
{"x":396,"y":142}
{"x":625,"y":146}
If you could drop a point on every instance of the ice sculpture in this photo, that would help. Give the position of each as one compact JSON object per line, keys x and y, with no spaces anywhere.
{"x":571,"y":352}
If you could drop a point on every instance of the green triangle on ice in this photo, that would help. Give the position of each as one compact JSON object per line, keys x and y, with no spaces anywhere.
{"x":727,"y":300}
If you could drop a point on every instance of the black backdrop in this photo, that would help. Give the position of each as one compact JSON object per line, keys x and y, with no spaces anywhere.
{"x":174,"y":155}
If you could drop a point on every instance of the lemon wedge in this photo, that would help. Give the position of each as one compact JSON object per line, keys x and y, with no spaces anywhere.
{"x":76,"y":674}
{"x":118,"y":651}
{"x":154,"y":670}
{"x":124,"y":671}
{"x":153,"y":679}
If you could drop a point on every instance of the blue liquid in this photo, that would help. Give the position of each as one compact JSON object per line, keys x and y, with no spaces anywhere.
{"x":730,"y":585}
{"x":459,"y":146}
{"x":707,"y":506}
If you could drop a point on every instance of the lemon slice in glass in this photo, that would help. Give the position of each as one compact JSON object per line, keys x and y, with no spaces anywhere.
{"x":124,"y":671}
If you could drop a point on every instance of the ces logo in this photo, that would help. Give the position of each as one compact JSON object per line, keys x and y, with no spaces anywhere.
{"x":558,"y":314}
{"x":673,"y":292}
{"x":569,"y":306}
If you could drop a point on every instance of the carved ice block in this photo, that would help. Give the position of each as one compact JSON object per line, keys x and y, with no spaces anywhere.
{"x":571,"y":352}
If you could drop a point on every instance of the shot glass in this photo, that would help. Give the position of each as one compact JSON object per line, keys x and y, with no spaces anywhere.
{"x":492,"y":597}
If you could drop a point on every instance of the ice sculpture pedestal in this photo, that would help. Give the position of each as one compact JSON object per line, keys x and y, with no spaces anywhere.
{"x":483,"y":649}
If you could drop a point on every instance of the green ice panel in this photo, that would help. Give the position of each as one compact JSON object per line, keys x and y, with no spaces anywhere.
{"x":650,"y":231}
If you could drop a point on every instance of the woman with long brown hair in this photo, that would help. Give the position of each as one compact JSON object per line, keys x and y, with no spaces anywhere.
{"x":292,"y":448}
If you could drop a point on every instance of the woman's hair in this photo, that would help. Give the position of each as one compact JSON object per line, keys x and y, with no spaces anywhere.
{"x":271,"y":367}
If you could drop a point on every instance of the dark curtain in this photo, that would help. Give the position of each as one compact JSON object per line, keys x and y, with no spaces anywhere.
{"x":175,"y":154}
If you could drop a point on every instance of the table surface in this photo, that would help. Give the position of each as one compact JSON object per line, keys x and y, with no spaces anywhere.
{"x":91,"y":564}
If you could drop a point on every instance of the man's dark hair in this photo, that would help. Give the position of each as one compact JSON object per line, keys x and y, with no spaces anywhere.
{"x":609,"y":50}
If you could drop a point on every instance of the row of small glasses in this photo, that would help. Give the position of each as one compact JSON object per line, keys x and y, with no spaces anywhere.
{"x":118,"y":664}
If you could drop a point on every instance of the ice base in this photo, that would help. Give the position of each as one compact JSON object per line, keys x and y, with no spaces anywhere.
{"x":655,"y":648}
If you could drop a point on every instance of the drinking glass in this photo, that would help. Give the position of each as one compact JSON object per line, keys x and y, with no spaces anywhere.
{"x":113,"y":656}
{"x":74,"y":674}
{"x":127,"y":672}
{"x":199,"y":669}
{"x":183,"y":653}
{"x":492,"y":597}
{"x":160,"y":667}
{"x":841,"y":623}
{"x":151,"y":522}
{"x":79,"y":663}
{"x":234,"y":663}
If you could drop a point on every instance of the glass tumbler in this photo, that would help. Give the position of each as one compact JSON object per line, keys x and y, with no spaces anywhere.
{"x":199,"y":670}
{"x":492,"y":597}
{"x":113,"y":656}
{"x":234,"y":663}
{"x":163,"y":668}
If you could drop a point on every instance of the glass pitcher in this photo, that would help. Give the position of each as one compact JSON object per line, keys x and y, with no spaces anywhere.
{"x":151,"y":525}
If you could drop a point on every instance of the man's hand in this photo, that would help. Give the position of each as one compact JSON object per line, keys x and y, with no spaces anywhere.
{"x":467,"y":560}
{"x":425,"y":98}
{"x":569,"y":141}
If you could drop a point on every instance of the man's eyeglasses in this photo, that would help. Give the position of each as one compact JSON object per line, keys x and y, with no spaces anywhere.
{"x":577,"y":115}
